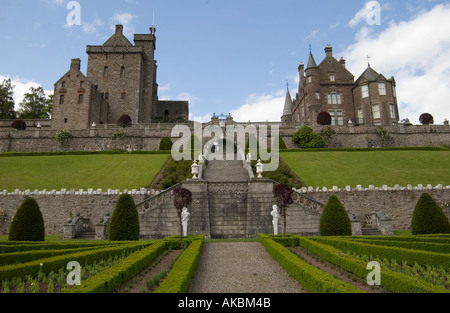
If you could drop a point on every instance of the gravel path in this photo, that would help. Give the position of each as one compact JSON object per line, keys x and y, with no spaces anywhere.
{"x":240,"y":267}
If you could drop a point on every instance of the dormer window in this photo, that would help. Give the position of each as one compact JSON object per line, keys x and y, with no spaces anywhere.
{"x":382,"y":89}
{"x":332,"y":78}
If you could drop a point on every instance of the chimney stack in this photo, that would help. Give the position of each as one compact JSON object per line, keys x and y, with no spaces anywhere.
{"x":329,"y":51}
{"x":75,"y":64}
{"x":119,"y":29}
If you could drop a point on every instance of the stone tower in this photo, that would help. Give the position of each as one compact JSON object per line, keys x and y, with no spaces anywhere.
{"x":126,"y":74}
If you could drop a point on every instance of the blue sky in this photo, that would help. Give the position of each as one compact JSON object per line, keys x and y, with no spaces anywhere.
{"x":235,"y":56}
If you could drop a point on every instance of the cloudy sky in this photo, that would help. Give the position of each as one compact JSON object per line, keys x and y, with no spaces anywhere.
{"x":236,"y":56}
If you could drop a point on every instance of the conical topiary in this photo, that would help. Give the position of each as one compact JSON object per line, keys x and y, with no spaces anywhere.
{"x":335,"y":220}
{"x":28,"y":223}
{"x":428,"y":217}
{"x":124,"y":223}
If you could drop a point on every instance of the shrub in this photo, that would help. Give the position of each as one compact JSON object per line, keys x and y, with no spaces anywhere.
{"x":324,"y":118}
{"x":28,"y":223}
{"x":327,"y":132}
{"x":165,"y":144}
{"x":426,"y":119}
{"x":19,"y":125}
{"x":124,"y":121}
{"x":124,"y":223}
{"x":305,"y":138}
{"x":334,"y":220}
{"x":63,"y":136}
{"x":428,"y":217}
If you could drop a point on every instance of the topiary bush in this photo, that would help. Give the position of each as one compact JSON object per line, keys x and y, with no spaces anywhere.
{"x":335,"y":220}
{"x":426,"y":119}
{"x":306,"y":138}
{"x":428,"y":217}
{"x":28,"y":223}
{"x":19,"y":125}
{"x":324,"y":118}
{"x":165,"y":144}
{"x":124,"y":223}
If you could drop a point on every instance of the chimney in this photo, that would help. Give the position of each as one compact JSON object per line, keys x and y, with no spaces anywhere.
{"x":329,"y":51}
{"x":342,"y":61}
{"x":75,"y":64}
{"x":152,"y":30}
{"x":119,"y":29}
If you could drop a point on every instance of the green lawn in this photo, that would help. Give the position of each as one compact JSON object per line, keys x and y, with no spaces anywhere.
{"x":117,"y":171}
{"x":378,"y":168}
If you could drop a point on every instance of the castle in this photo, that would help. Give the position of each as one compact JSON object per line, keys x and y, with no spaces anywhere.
{"x":329,"y":87}
{"x":120,"y":80}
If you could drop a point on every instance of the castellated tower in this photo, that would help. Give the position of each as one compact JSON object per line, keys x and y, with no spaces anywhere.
{"x":120,"y":80}
{"x":126,"y":74}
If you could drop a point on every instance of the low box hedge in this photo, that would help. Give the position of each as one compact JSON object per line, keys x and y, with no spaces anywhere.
{"x":180,"y":277}
{"x":110,"y":279}
{"x":392,"y":281}
{"x":399,"y":254}
{"x":415,"y":245}
{"x":55,"y":263}
{"x":310,"y":277}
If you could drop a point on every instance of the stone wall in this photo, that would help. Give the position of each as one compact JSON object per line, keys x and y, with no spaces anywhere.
{"x":221,"y":213}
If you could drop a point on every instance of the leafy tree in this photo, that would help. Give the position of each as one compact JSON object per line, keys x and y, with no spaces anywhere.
{"x":428,"y":217}
{"x":335,"y":220}
{"x":306,"y":138}
{"x":426,"y":119}
{"x":125,"y":121}
{"x":19,"y":125}
{"x":7,"y":100}
{"x":182,"y":197}
{"x":283,"y":197}
{"x":124,"y":223}
{"x":34,"y":105}
{"x":28,"y":223}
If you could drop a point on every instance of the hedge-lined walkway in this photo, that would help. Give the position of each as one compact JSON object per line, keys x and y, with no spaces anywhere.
{"x":240,"y":267}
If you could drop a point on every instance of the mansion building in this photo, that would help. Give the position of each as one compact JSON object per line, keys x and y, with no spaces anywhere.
{"x":120,"y":80}
{"x":330,"y":87}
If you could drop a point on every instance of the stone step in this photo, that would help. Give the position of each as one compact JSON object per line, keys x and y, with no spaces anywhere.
{"x":370,"y":231}
{"x":225,"y":171}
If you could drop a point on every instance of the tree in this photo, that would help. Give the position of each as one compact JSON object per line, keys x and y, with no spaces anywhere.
{"x":335,"y":220}
{"x":324,"y":118}
{"x":165,"y":144}
{"x":182,"y":197}
{"x":7,"y":101}
{"x":34,"y":105}
{"x":124,"y":223}
{"x":306,"y":138}
{"x":125,"y":121}
{"x":19,"y":125}
{"x":28,"y":223}
{"x":428,"y":217}
{"x":283,"y":197}
{"x":426,"y":119}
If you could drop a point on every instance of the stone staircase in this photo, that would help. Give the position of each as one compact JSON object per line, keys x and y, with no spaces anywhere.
{"x":225,"y":171}
{"x":88,"y":235}
{"x":370,"y":231}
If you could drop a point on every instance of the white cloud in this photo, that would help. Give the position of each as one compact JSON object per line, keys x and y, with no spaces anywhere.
{"x":21,"y":87}
{"x":126,"y":19}
{"x":260,"y":108}
{"x":369,"y":13}
{"x":91,"y":27}
{"x":416,"y":53}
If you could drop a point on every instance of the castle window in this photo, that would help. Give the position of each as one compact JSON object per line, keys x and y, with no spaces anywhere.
{"x":393,"y":115}
{"x":61,"y":99}
{"x":309,"y":79}
{"x":332,"y":77}
{"x":66,"y":121}
{"x":334,"y":98}
{"x":376,"y":111}
{"x":122,"y":72}
{"x":80,"y":99}
{"x":81,"y":84}
{"x":107,"y":96}
{"x":360,"y":117}
{"x":105,"y":72}
{"x":382,"y":89}
{"x":318,"y":95}
{"x":63,"y":84}
{"x":365,"y":91}
{"x":166,"y":113}
{"x":394,"y":92}
{"x":340,"y":116}
{"x":123,"y":96}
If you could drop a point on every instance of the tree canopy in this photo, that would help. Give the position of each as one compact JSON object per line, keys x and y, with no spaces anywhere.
{"x":6,"y":100}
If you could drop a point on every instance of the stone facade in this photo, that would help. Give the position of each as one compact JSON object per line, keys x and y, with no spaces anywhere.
{"x":330,"y":87}
{"x":120,"y":80}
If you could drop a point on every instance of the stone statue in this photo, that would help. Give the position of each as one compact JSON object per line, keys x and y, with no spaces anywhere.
{"x":276,"y":216}
{"x":184,"y":220}
{"x":249,"y":157}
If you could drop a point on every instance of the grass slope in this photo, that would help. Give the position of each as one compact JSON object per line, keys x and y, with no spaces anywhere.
{"x":372,"y":167}
{"x":121,"y":171}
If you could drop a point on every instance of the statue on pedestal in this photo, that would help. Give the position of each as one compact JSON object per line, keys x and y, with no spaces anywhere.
{"x":185,"y":219}
{"x":276,"y":216}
